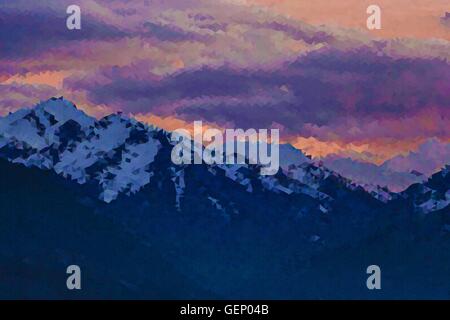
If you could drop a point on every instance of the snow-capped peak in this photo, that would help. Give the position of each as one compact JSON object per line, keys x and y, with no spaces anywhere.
{"x":113,"y":152}
{"x":63,"y":110}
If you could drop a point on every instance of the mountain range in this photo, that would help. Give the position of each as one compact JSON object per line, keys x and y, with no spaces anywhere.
{"x":397,"y":173}
{"x":78,"y":189}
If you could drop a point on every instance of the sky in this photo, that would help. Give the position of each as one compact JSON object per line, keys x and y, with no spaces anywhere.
{"x":309,"y":68}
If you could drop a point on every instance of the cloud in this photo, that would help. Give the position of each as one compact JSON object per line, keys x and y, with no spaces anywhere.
{"x":328,"y":94}
{"x":17,"y":96}
{"x":27,"y":32}
{"x":446,"y":19}
{"x":170,"y":35}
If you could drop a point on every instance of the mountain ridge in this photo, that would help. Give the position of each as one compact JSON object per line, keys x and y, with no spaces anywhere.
{"x":116,"y":155}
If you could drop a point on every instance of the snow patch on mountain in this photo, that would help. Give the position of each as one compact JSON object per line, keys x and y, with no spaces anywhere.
{"x":432,"y":195}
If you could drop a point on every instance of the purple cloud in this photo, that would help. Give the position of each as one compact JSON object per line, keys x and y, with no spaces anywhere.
{"x":325,"y":92}
{"x":446,"y":19}
{"x":25,"y":33}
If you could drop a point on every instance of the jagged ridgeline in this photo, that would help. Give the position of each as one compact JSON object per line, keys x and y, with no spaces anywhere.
{"x":105,"y":194}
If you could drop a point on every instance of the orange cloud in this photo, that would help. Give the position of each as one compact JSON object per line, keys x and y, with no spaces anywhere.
{"x":50,"y":78}
{"x":171,"y":123}
{"x":376,"y":151}
{"x":400,"y":18}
